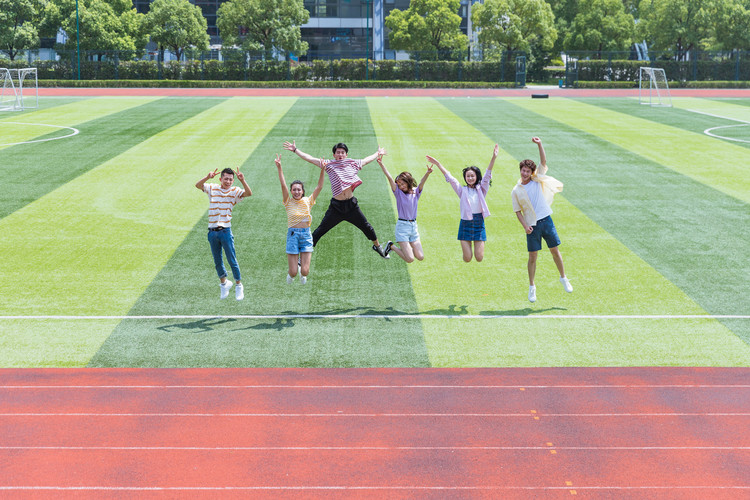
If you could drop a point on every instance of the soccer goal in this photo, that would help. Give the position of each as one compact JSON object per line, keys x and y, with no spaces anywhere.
{"x":653,"y":88}
{"x":20,"y":89}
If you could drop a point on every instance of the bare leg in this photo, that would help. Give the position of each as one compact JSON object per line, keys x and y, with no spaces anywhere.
{"x":479,"y":250}
{"x":293,"y":258}
{"x":416,"y":247}
{"x":305,"y":258}
{"x":557,"y":257}
{"x":466,"y":248}
{"x":532,"y":267}
{"x":404,"y":251}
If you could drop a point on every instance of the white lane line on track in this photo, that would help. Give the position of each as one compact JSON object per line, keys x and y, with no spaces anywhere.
{"x":377,"y":415}
{"x":384,"y":316}
{"x":281,"y":386}
{"x":373,"y":448}
{"x":364,"y":488}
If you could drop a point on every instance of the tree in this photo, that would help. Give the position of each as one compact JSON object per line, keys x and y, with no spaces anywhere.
{"x":18,"y":20}
{"x":263,"y":25}
{"x":515,"y":25}
{"x":432,"y":26}
{"x":105,"y":25}
{"x":732,"y":24}
{"x":679,"y":25}
{"x":176,"y":25}
{"x":600,"y":25}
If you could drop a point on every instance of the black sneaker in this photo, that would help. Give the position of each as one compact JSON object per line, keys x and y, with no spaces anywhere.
{"x":388,"y":248}
{"x":381,"y":252}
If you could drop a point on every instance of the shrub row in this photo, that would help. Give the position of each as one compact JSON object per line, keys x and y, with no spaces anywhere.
{"x":709,"y":70}
{"x":732,"y":84}
{"x":386,"y":84}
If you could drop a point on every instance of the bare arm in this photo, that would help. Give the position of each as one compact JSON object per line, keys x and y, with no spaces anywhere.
{"x":210,"y":175}
{"x":319,"y":187}
{"x":291,"y":146}
{"x":542,"y":155}
{"x":526,"y":228}
{"x":241,"y":177}
{"x":424,"y":178}
{"x":284,"y":189}
{"x":379,"y":152}
{"x":391,"y":182}
{"x":437,"y":164}
{"x":495,"y":152}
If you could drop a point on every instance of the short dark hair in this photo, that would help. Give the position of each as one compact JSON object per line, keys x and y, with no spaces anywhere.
{"x":227,"y":171}
{"x":300,"y":183}
{"x":340,"y":145}
{"x":527,"y":163}
{"x":476,"y":171}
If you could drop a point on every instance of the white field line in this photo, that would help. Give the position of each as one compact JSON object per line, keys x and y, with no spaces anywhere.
{"x":375,"y":316}
{"x":717,"y":116}
{"x":374,"y":448}
{"x":709,"y":130}
{"x":366,"y":488}
{"x":375,"y":415}
{"x":75,"y":132}
{"x":381,"y":386}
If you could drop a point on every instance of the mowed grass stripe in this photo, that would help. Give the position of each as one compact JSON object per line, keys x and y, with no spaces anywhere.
{"x":68,"y":114}
{"x":681,"y":118}
{"x":689,"y":154}
{"x":108,"y":127}
{"x":498,"y":285}
{"x":678,"y":226}
{"x":346,"y":275}
{"x":98,"y":241}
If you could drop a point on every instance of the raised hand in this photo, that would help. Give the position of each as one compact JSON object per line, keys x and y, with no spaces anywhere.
{"x":277,"y":161}
{"x":536,"y":140}
{"x":240,"y":175}
{"x":211,"y":175}
{"x":429,"y":169}
{"x":496,"y":151}
{"x":381,"y":151}
{"x":290,"y":146}
{"x":432,"y":160}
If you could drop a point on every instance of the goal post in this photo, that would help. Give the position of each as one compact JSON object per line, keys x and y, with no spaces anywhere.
{"x":653,"y":88}
{"x":20,"y":89}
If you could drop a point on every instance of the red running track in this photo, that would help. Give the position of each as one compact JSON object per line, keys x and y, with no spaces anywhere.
{"x":525,"y":92}
{"x":375,"y":433}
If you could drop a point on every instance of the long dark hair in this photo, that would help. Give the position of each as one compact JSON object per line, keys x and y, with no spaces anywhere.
{"x":477,"y":172}
{"x":408,"y":179}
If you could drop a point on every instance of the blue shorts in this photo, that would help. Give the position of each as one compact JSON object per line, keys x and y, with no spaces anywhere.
{"x":472,"y":230}
{"x":299,"y":240}
{"x":544,"y":228}
{"x":406,"y":230}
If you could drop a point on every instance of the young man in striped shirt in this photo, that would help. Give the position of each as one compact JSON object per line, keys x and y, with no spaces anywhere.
{"x":222,"y":199}
{"x":342,"y":172}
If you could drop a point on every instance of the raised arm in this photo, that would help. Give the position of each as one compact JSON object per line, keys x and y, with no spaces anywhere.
{"x":210,"y":175}
{"x":424,"y":178}
{"x":391,"y":182}
{"x":319,"y":187}
{"x":241,"y":177}
{"x":542,"y":155}
{"x":284,"y":189}
{"x":379,"y":152}
{"x":291,"y":146}
{"x":437,"y":164}
{"x":448,"y":177}
{"x":495,"y":152}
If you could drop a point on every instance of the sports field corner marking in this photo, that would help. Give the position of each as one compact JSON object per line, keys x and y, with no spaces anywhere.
{"x":75,"y":132}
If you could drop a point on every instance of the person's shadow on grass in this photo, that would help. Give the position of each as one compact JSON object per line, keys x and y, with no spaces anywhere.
{"x":526,"y":311}
{"x":203,"y":325}
{"x":278,"y":325}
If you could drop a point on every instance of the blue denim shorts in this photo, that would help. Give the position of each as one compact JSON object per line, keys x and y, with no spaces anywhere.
{"x":406,"y":230}
{"x":544,"y":228}
{"x":299,"y":240}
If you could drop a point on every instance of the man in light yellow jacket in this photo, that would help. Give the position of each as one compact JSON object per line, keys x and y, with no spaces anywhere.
{"x":532,"y":197}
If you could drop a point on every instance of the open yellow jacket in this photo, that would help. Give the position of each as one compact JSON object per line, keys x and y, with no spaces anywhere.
{"x":521,"y":201}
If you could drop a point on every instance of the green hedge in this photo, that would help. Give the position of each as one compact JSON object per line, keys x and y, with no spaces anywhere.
{"x":672,"y":85}
{"x":272,"y":84}
{"x":620,"y":70}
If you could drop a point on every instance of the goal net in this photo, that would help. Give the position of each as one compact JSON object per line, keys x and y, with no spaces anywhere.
{"x":20,"y":89}
{"x":653,"y":88}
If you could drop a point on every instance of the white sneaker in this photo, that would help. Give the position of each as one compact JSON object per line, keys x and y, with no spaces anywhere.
{"x":532,"y":293}
{"x":566,"y":285}
{"x":302,"y":279}
{"x":289,"y":280}
{"x":225,"y":287}
{"x":239,"y":291}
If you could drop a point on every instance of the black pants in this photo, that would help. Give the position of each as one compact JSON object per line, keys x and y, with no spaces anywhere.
{"x":343,"y":210}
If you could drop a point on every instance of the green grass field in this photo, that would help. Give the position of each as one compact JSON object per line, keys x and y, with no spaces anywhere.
{"x":105,"y":260}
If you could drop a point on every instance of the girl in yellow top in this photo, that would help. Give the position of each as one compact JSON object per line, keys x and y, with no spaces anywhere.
{"x":299,"y":241}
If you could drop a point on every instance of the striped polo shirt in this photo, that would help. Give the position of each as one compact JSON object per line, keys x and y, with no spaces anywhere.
{"x":298,"y":211}
{"x":221,"y":203}
{"x":342,"y":174}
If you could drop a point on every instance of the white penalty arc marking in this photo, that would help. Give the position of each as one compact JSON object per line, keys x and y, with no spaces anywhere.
{"x":709,"y":130}
{"x":74,"y":131}
{"x":377,"y":316}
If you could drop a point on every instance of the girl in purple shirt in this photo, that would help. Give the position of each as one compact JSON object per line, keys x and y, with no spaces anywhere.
{"x":407,"y":195}
{"x":473,"y":205}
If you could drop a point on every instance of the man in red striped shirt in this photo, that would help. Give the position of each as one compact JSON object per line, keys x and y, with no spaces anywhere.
{"x":222,"y":199}
{"x":342,"y":172}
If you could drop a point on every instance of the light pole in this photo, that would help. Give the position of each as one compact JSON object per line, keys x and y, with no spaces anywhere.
{"x":78,"y":43}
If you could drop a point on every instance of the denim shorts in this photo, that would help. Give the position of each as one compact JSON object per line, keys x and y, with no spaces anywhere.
{"x":299,"y":240}
{"x":472,"y":230}
{"x":407,"y":230}
{"x":544,"y":228}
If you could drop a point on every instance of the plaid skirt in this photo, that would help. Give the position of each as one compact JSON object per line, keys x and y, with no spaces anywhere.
{"x":472,"y":230}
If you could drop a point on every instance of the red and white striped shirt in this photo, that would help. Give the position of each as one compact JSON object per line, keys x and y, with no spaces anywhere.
{"x":221,"y":203}
{"x":342,"y":174}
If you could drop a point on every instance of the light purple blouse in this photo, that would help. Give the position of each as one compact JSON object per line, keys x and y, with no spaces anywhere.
{"x":462,"y":192}
{"x":406,"y":204}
